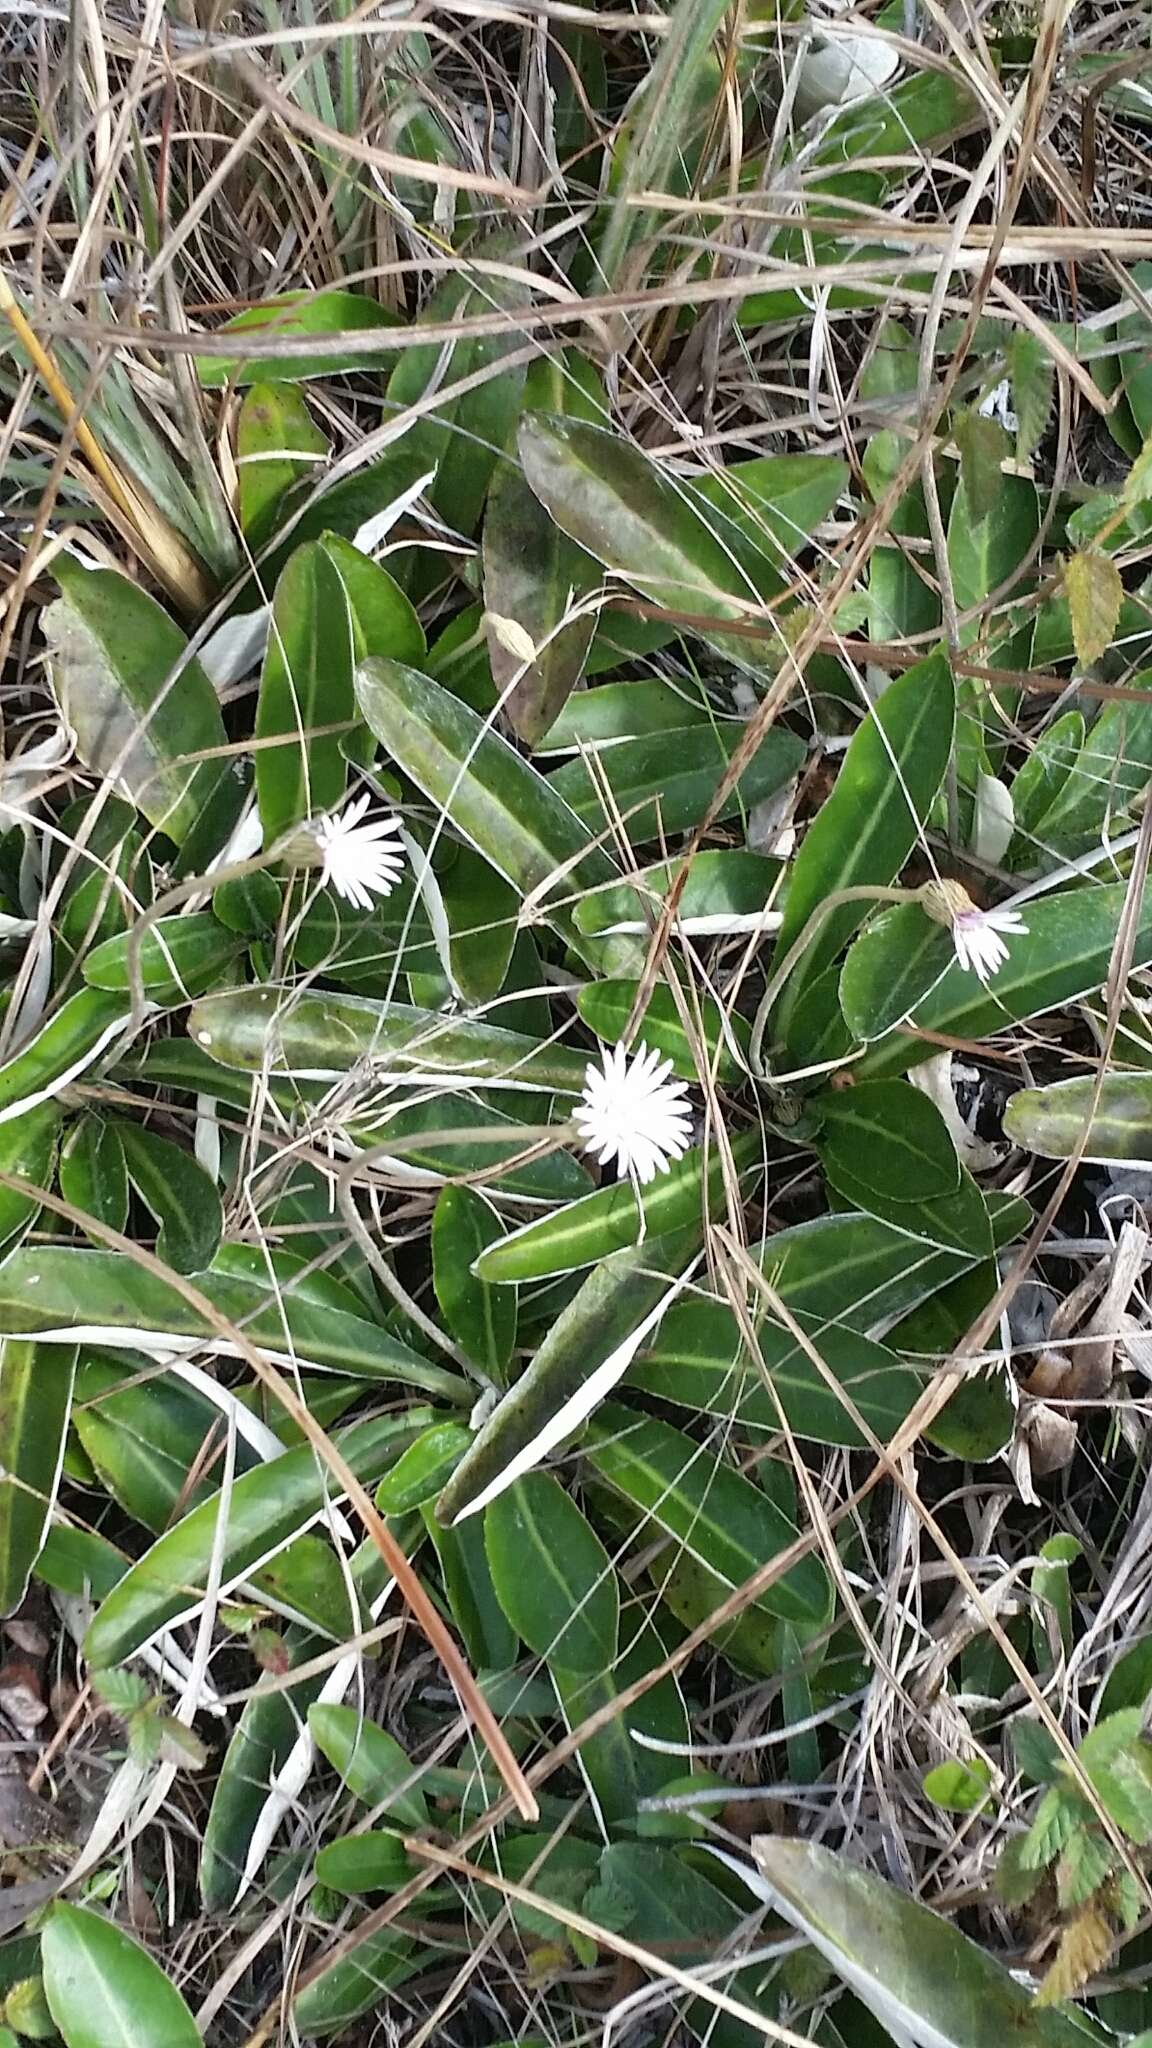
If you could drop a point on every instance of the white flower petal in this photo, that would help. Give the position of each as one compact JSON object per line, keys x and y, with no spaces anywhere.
{"x":632,"y":1112}
{"x":360,"y":861}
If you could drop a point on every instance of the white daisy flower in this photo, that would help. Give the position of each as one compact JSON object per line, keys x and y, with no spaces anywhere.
{"x":978,"y":936}
{"x":631,"y":1112}
{"x":359,"y":861}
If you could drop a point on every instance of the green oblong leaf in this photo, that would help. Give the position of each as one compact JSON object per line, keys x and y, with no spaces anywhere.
{"x":1064,"y":954}
{"x":104,"y":1990}
{"x":35,"y":1404}
{"x":533,"y":573}
{"x":1112,"y":1116}
{"x":866,"y":829}
{"x":371,"y":1762}
{"x":720,"y":1518}
{"x":609,"y":1220}
{"x":175,"y":1190}
{"x":553,"y":1577}
{"x":141,"y":707}
{"x":606,"y":1007}
{"x":50,"y":1291}
{"x":74,"y":1037}
{"x":375,"y":1861}
{"x":495,"y":799}
{"x":323,"y":1036}
{"x":889,"y":1138}
{"x":697,"y":1359}
{"x":277,"y":444}
{"x":175,"y":959}
{"x":922,"y":1978}
{"x":267,"y":1509}
{"x":482,"y":1318}
{"x":666,"y":783}
{"x":28,"y":1145}
{"x":727,"y":890}
{"x":601,"y":1316}
{"x":292,"y":316}
{"x":306,"y":683}
{"x":93,"y":1175}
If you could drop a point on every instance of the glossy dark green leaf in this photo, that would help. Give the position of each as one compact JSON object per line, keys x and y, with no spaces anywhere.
{"x":697,"y":1359}
{"x":28,"y":1144}
{"x":383,"y":620}
{"x":141,"y":707}
{"x":306,"y":683}
{"x":103,"y":890}
{"x":35,"y":1403}
{"x":61,"y":1288}
{"x":720,"y":1518}
{"x":482,"y":911}
{"x":1063,"y":955}
{"x":553,"y":1576}
{"x":375,"y":1861}
{"x":467,"y":1134}
{"x":534,"y":575}
{"x":717,"y":1045}
{"x":177,"y":1193}
{"x":371,"y":1762}
{"x":866,"y":829}
{"x":277,"y":444}
{"x":727,"y":890}
{"x":667,"y":783}
{"x":267,"y":1508}
{"x":299,"y":314}
{"x":356,"y":1983}
{"x":495,"y":799}
{"x":1111,"y":1117}
{"x":610,"y":1219}
{"x":323,"y":1036}
{"x":175,"y":959}
{"x":639,"y":522}
{"x":421,"y":1470}
{"x":888,"y":1137}
{"x":463,"y":439}
{"x":154,"y":1442}
{"x":642,"y":707}
{"x":482,"y":1318}
{"x":914,"y":1970}
{"x":489,"y":1638}
{"x":74,"y":1037}
{"x":620,"y":1771}
{"x":92,"y":1172}
{"x":103,"y":1988}
{"x":600,"y":1318}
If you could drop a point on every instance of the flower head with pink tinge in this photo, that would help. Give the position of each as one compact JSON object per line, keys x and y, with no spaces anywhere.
{"x":978,"y":936}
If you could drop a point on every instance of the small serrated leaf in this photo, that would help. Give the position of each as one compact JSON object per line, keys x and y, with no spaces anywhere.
{"x":1017,"y":1881}
{"x":983,"y":445}
{"x":1033,"y":377}
{"x":1058,"y":1813}
{"x":1085,"y":1946}
{"x":1138,"y":482}
{"x":1095,"y":594}
{"x":1085,"y":1863}
{"x":124,"y":1692}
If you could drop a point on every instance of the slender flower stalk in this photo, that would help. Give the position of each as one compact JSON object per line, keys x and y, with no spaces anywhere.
{"x":631,"y":1112}
{"x":978,"y":936}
